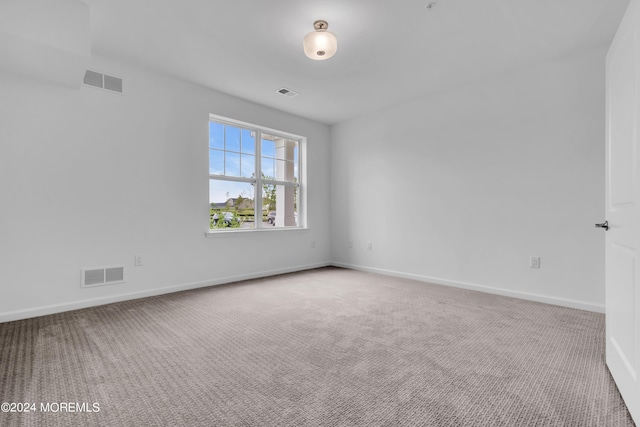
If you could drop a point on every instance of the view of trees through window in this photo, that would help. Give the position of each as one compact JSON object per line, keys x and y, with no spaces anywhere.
{"x":254,"y":179}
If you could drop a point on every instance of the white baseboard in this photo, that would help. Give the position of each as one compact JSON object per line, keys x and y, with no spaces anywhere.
{"x":581,"y":305}
{"x":75,"y":305}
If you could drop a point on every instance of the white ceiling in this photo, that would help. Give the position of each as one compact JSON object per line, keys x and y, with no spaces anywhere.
{"x":388,"y":51}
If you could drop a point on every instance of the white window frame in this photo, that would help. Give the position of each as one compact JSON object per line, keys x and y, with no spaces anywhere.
{"x":259,"y":181}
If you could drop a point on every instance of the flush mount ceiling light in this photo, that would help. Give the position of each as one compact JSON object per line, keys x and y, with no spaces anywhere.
{"x":320,"y":44}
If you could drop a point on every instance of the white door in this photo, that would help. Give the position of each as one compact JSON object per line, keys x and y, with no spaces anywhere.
{"x":623,"y":209}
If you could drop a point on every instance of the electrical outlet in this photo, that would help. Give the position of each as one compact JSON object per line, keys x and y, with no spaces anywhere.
{"x":369,"y":246}
{"x":534,"y":262}
{"x":313,"y":244}
{"x":138,"y":260}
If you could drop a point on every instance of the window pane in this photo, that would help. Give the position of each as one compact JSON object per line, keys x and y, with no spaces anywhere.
{"x":216,"y":162}
{"x":231,"y":205}
{"x":216,"y":135}
{"x":268,"y":148}
{"x":248,"y":166}
{"x":248,"y":142}
{"x":285,"y":148}
{"x":280,"y":207}
{"x":268,"y":168}
{"x":232,"y":139}
{"x":285,"y":171}
{"x":285,"y":151}
{"x":232,"y":164}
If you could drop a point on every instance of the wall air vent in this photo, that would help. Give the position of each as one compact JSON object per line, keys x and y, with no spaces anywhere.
{"x":92,"y":78}
{"x":101,"y":276}
{"x":287,"y":92}
{"x":103,"y":81}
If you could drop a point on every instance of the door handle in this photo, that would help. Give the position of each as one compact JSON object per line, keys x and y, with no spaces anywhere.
{"x":604,"y":225}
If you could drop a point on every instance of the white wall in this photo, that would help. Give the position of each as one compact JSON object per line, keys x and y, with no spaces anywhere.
{"x":458,"y":188}
{"x":47,"y":39}
{"x":462,"y":187}
{"x":89,"y":178}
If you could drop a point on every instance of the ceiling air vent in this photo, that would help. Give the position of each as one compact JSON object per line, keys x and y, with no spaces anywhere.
{"x":103,"y":81}
{"x":102,"y":276}
{"x":287,"y":92}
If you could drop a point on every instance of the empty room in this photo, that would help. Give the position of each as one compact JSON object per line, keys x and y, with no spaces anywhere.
{"x":319,"y":213}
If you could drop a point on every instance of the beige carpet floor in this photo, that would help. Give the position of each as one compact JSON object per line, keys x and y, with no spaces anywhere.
{"x":326,"y":347}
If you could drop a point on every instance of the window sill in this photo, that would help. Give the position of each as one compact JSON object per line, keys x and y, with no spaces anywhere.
{"x":235,"y":232}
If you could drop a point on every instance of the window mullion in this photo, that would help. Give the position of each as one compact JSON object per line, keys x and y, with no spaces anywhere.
{"x":257,"y":202}
{"x":283,"y":183}
{"x":231,"y":178}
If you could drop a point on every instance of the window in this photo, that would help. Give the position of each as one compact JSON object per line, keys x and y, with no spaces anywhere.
{"x":254,"y":177}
